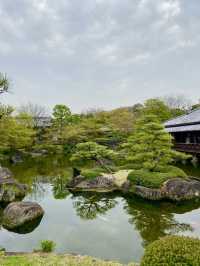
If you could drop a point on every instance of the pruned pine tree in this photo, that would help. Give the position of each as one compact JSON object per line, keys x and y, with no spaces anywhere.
{"x":91,"y":151}
{"x":150,"y":146}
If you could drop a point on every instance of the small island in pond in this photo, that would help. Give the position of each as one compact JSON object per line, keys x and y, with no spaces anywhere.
{"x":143,"y":165}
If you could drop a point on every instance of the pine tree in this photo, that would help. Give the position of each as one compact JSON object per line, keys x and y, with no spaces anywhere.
{"x":150,"y":146}
{"x":91,"y":151}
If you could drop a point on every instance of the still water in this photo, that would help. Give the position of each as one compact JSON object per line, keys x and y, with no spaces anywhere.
{"x":105,"y":226}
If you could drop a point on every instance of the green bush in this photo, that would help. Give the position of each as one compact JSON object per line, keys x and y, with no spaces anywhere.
{"x":154,"y":179}
{"x":173,"y":251}
{"x":173,"y":171}
{"x":47,"y":246}
{"x":91,"y":173}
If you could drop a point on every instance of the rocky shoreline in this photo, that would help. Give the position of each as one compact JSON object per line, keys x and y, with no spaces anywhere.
{"x":20,"y":217}
{"x":175,"y":189}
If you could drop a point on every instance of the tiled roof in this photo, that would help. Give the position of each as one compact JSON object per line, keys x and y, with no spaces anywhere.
{"x":183,"y":128}
{"x":190,"y":118}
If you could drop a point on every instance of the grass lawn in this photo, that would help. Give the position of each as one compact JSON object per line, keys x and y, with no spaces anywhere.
{"x":54,"y":260}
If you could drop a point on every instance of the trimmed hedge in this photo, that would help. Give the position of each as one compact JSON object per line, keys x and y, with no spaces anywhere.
{"x":155,"y":179}
{"x":173,"y":251}
{"x":91,"y":173}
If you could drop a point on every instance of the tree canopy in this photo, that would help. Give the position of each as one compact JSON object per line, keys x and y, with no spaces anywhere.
{"x":91,"y":151}
{"x":61,"y":115}
{"x":150,"y":146}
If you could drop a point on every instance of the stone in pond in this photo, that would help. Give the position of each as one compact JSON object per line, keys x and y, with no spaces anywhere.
{"x":180,"y":189}
{"x":5,"y":173}
{"x":22,"y":217}
{"x":11,"y":190}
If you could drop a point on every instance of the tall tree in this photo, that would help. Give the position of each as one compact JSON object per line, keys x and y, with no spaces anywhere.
{"x":150,"y":146}
{"x":158,"y":108}
{"x":61,"y":115}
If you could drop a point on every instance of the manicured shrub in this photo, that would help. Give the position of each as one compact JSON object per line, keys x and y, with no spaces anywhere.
{"x":154,"y":179}
{"x":91,"y":173}
{"x":47,"y":246}
{"x":173,"y":251}
{"x":173,"y":171}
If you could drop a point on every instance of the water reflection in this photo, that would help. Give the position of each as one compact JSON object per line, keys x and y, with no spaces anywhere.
{"x":155,"y":220}
{"x":90,"y":205}
{"x":59,"y":187}
{"x":28,"y":227}
{"x":128,"y":223}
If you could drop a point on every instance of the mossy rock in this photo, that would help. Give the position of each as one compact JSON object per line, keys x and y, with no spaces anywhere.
{"x":11,"y":190}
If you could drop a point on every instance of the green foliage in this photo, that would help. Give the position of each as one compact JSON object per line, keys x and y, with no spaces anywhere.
{"x":154,"y":179}
{"x":158,"y":108}
{"x":15,"y":135}
{"x":91,"y":151}
{"x":150,"y":146}
{"x":5,"y":110}
{"x":47,"y":245}
{"x":173,"y":251}
{"x":61,"y":115}
{"x":92,"y":173}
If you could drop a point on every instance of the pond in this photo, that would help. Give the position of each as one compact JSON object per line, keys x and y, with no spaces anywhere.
{"x":106,"y":226}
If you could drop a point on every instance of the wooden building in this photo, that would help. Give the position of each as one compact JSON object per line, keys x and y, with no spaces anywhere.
{"x":186,"y":132}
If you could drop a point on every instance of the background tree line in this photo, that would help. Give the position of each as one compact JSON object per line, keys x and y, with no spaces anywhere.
{"x":30,"y":127}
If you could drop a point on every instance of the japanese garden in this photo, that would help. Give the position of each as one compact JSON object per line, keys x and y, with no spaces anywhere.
{"x":117,"y":187}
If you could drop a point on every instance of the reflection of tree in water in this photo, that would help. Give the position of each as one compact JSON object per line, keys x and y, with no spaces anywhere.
{"x":89,"y":206}
{"x":38,"y":189}
{"x":1,"y":216}
{"x":155,"y":220}
{"x":43,"y":168}
{"x":59,"y":187}
{"x":41,"y":172}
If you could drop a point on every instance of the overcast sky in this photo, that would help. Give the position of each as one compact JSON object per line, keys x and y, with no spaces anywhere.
{"x":99,"y":53}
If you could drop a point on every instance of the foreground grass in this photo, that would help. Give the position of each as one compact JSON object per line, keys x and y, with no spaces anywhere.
{"x":54,"y":260}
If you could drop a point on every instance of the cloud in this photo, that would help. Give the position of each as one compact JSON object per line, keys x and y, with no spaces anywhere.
{"x":69,"y":51}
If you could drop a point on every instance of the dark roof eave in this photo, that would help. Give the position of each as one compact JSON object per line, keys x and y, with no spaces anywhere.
{"x":183,"y":124}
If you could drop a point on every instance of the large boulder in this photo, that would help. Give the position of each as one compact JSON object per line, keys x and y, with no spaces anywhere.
{"x":5,"y":173}
{"x":148,"y":193}
{"x":11,"y":190}
{"x":181,"y":189}
{"x":176,"y":189}
{"x":22,"y":217}
{"x":100,"y":183}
